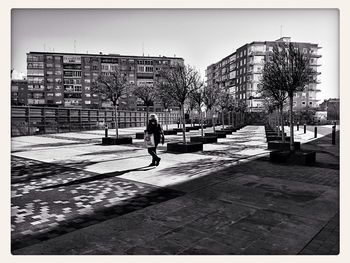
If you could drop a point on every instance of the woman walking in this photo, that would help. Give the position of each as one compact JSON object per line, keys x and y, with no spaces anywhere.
{"x":154,"y":128}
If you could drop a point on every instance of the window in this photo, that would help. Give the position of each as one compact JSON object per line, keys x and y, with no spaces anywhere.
{"x":49,"y":87}
{"x":305,"y":50}
{"x":49,"y":94}
{"x":87,"y":88}
{"x":58,"y":94}
{"x":87,"y":95}
{"x":87,"y":80}
{"x":35,"y":72}
{"x":310,"y":103}
{"x":303,"y":103}
{"x":88,"y":102}
{"x":149,"y":69}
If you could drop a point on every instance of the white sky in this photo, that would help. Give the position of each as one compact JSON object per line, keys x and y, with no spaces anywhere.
{"x":200,"y":36}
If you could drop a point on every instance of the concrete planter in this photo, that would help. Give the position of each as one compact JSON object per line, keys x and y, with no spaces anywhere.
{"x":225,"y":131}
{"x":180,"y":129}
{"x":170,"y":132}
{"x":116,"y":141}
{"x":269,"y":134}
{"x":140,"y":135}
{"x":298,"y":158}
{"x":205,"y":139}
{"x":279,"y":145}
{"x":179,"y":147}
{"x":218,"y":134}
{"x":230,"y":128}
{"x":276,"y":138}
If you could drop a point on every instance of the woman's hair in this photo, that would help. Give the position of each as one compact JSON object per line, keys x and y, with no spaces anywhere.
{"x":154,"y":116}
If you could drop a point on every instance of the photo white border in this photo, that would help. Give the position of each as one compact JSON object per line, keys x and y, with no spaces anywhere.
{"x":5,"y":18}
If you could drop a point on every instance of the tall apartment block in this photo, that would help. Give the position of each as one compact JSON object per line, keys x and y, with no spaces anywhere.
{"x":64,"y":79}
{"x":240,"y":73}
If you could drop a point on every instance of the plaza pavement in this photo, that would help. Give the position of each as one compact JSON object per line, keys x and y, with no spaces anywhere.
{"x":72,"y":195}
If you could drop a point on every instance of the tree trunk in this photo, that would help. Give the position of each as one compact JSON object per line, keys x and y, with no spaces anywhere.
{"x":282,"y":125}
{"x":212,"y":119}
{"x":201,"y":120}
{"x":235,"y":119}
{"x":116,"y":120}
{"x":278,"y":122}
{"x":228,"y":118}
{"x":147,"y":113}
{"x":291,"y":123}
{"x":183,"y":124}
{"x":166,"y":119}
{"x":223,"y":119}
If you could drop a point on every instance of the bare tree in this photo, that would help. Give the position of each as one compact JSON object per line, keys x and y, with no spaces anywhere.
{"x":224,"y":102}
{"x":211,"y":97}
{"x":240,"y":108}
{"x":111,"y":88}
{"x":163,"y":95}
{"x":180,"y":83}
{"x":271,"y":87}
{"x":147,"y":94}
{"x":292,"y":72}
{"x":197,"y":97}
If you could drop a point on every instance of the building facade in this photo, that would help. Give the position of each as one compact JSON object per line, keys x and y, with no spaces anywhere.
{"x":64,"y":79}
{"x":19,"y":92}
{"x":332,"y":107}
{"x":240,"y":73}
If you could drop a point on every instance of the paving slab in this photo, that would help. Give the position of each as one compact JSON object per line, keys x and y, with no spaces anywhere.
{"x":81,"y":198}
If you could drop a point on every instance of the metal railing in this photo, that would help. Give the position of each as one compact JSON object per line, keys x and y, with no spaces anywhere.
{"x":30,"y":120}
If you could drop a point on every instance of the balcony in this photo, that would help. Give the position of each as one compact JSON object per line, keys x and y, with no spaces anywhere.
{"x":256,"y":53}
{"x":315,"y":55}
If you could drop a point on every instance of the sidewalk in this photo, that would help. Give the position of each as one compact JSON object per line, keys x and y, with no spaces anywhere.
{"x":71,"y":195}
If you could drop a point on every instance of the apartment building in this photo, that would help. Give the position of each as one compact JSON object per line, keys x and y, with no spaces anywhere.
{"x":19,"y":92}
{"x":240,"y":73}
{"x":64,"y":79}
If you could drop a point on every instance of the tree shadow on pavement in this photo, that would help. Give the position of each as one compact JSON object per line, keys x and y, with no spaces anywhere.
{"x":99,"y":177}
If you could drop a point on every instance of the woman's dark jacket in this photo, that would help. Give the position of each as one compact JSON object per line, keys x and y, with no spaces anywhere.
{"x":154,"y":128}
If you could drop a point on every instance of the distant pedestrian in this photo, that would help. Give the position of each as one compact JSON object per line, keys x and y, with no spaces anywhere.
{"x":154,"y":128}
{"x":178,"y":123}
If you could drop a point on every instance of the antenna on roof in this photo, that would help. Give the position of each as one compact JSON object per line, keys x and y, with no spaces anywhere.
{"x":143,"y":49}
